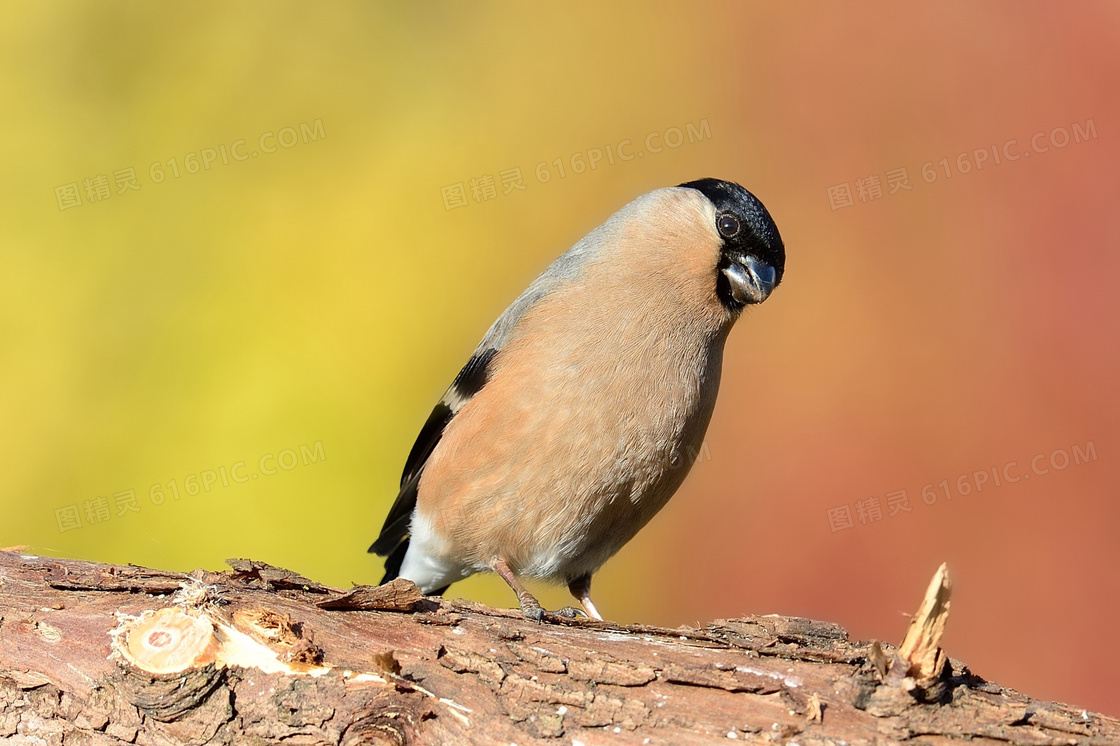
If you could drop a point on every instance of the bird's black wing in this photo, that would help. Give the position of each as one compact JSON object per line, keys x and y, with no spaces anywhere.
{"x":393,"y":540}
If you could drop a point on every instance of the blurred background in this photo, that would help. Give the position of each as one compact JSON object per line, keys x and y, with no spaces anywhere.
{"x":245,"y":248}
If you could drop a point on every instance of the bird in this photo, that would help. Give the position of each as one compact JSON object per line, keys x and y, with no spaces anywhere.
{"x":568,"y":428}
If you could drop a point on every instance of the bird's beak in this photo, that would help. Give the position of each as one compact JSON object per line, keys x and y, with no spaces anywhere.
{"x":751,"y":279}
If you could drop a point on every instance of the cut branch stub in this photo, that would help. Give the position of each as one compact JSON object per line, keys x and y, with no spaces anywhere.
{"x":170,"y":640}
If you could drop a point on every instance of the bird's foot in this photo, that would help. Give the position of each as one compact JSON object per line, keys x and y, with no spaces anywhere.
{"x":532,"y":610}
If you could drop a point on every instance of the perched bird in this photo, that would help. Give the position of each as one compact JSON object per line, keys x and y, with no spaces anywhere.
{"x":567,"y":429}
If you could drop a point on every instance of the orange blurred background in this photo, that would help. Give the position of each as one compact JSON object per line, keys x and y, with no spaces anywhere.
{"x":234,"y":360}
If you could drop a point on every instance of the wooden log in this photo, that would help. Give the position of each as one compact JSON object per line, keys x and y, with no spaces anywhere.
{"x":102,"y":654}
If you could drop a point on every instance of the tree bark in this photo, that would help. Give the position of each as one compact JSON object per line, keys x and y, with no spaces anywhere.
{"x":101,"y":654}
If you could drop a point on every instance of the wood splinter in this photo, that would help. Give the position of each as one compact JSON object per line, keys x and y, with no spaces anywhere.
{"x":919,"y":663}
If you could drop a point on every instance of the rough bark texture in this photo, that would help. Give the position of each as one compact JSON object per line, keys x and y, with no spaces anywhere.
{"x":382,"y":665}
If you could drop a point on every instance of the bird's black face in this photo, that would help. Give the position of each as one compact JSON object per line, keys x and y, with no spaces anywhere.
{"x":752,"y":256}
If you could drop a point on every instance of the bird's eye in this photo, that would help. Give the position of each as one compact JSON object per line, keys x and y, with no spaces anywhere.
{"x":728,"y":225}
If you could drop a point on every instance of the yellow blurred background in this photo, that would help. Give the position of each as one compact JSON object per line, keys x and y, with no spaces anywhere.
{"x":245,"y":247}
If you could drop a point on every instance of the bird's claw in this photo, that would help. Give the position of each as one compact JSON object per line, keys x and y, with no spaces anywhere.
{"x":533,"y":612}
{"x":537,"y":613}
{"x":570,"y":612}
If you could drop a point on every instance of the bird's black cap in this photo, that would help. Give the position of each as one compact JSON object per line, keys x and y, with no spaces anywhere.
{"x":761,"y":239}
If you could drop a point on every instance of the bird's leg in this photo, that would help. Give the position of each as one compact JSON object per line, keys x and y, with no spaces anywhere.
{"x":581,"y":589}
{"x":530,"y":606}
